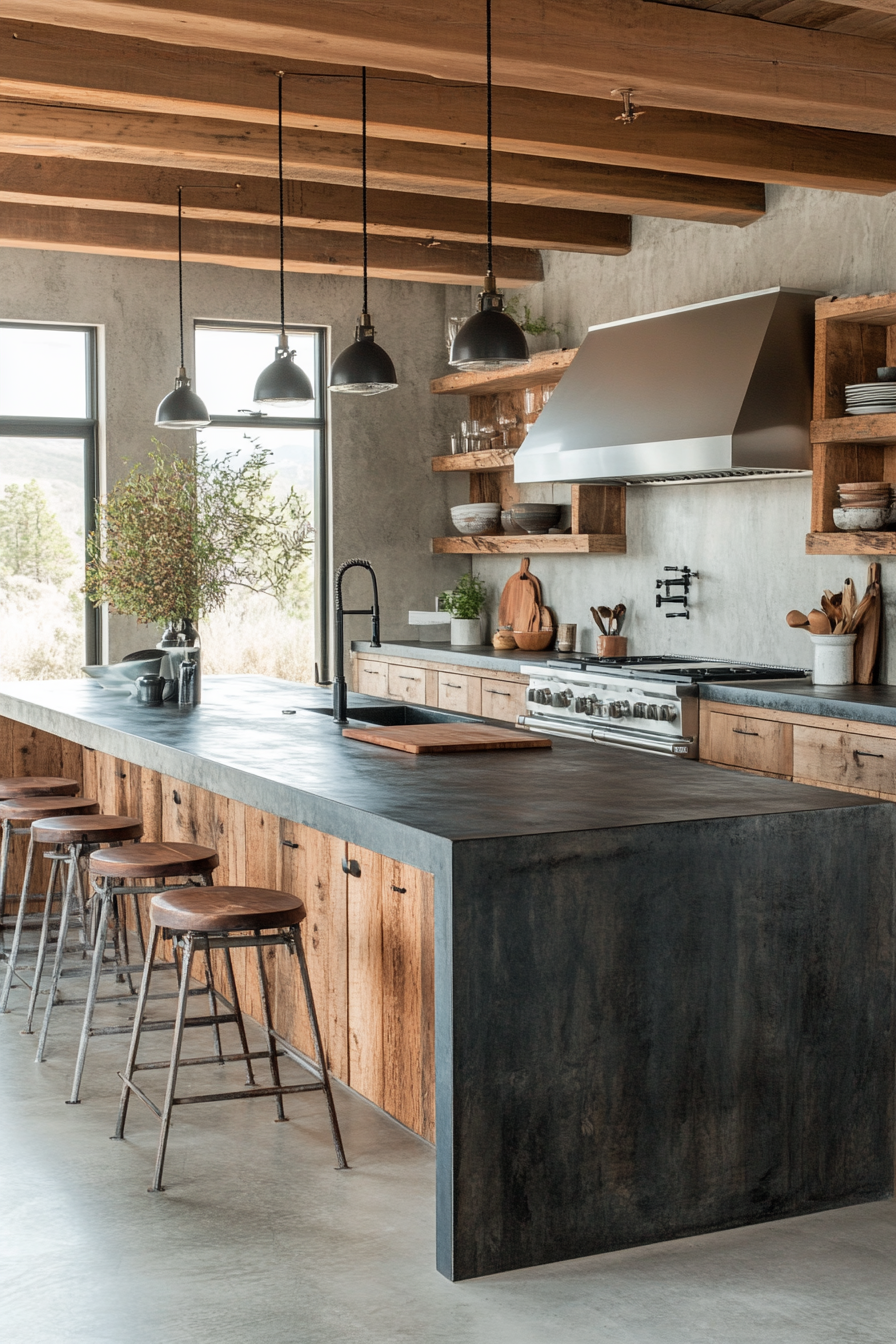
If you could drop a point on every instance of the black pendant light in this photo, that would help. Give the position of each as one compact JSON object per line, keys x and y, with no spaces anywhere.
{"x":490,"y":339}
{"x":181,"y":409}
{"x":363,"y":367}
{"x":282,"y":380}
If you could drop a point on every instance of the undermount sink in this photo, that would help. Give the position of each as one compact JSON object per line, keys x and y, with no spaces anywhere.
{"x":391,"y":716}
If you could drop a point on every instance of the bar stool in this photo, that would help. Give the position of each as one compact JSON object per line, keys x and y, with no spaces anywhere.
{"x":226,"y":917}
{"x":18,"y":818}
{"x":78,"y":837}
{"x":114,"y":873}
{"x":28,"y":786}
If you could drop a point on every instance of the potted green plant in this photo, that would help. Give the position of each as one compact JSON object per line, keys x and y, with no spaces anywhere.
{"x":464,"y":603}
{"x":173,"y":538}
{"x":540,"y":335}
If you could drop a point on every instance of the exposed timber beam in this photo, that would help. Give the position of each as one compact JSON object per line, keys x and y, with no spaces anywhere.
{"x":69,"y":65}
{"x":256,"y":247}
{"x":82,"y":184}
{"x":674,"y":57}
{"x":201,"y":143}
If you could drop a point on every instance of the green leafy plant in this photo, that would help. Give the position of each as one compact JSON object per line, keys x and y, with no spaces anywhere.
{"x":32,"y":542}
{"x":466,"y":599}
{"x":535,"y":326}
{"x":172,"y":539}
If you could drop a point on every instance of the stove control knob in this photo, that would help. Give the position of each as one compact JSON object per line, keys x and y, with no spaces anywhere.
{"x":591,"y":704}
{"x":533,"y":695}
{"x":669,"y":713}
{"x":639,"y":709}
{"x":652,"y":712}
{"x":560,"y":699}
{"x":625,"y":707}
{"x":544,"y":696}
{"x":615,"y":710}
{"x":581,"y":704}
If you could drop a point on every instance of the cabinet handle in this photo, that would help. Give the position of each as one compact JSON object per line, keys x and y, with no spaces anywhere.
{"x":454,"y":685}
{"x":878,"y":755}
{"x":491,"y":692}
{"x":352,"y":867}
{"x":400,"y":890}
{"x":744,"y":732}
{"x":176,"y":796}
{"x":290,"y":844}
{"x":402,"y":676}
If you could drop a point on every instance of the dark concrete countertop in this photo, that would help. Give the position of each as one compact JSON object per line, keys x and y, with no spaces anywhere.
{"x":240,"y":744}
{"x":464,"y":655}
{"x":867,"y":704}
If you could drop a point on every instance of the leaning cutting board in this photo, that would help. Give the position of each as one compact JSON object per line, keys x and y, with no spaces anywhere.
{"x":424,"y":738}
{"x":520,"y":600}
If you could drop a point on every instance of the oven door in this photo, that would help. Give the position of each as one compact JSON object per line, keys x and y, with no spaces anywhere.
{"x":660,"y":743}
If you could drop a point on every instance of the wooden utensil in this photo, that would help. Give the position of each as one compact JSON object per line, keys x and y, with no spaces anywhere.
{"x":797,"y":620}
{"x":862,"y":609}
{"x":868,"y":633}
{"x":598,"y":621}
{"x":850,"y":601}
{"x":829,"y":609}
{"x":618,"y":617}
{"x":819,"y":624}
{"x":522,"y":592}
{"x":429,"y":738}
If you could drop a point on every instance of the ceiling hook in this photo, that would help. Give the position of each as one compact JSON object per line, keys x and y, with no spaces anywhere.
{"x":629,"y":112}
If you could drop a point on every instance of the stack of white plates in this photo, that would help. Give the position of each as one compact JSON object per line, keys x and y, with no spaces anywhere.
{"x":871,"y":399}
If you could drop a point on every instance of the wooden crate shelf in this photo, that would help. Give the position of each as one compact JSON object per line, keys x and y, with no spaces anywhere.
{"x":853,"y":338}
{"x":550,"y":543}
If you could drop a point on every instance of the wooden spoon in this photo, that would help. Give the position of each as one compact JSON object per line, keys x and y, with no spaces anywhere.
{"x":819,"y":623}
{"x":597,"y":620}
{"x":850,"y":601}
{"x":797,"y":620}
{"x":619,"y":616}
{"x":829,"y":609}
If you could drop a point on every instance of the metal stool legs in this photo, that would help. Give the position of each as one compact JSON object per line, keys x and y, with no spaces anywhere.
{"x":61,"y":934}
{"x":20,"y":917}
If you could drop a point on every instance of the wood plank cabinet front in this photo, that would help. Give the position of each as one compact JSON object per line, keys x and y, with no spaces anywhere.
{"x":503,"y":700}
{"x":854,"y":761}
{"x":747,"y":742}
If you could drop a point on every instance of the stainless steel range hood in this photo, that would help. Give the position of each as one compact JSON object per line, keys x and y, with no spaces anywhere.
{"x":712,"y":391}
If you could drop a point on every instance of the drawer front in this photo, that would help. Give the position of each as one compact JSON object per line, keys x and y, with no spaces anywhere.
{"x":372,"y":678}
{"x":852,"y":760}
{"x":503,"y":700}
{"x":459,"y":692}
{"x":407,"y":683}
{"x":749,"y":743}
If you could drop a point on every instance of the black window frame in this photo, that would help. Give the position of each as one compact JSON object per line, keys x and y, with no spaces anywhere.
{"x":86,"y":429}
{"x":320,"y":423}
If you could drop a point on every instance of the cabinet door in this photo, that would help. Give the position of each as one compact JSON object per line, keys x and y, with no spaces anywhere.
{"x":390,"y":987}
{"x":407,"y":683}
{"x":854,"y":761}
{"x":749,"y":743}
{"x":503,"y":700}
{"x":460,"y":693}
{"x":371,"y":677}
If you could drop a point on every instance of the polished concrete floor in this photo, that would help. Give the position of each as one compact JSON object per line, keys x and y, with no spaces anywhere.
{"x":258,"y":1240}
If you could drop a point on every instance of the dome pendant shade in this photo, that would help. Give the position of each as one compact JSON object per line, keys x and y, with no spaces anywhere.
{"x":490,"y":339}
{"x":283,"y":380}
{"x":182,"y":408}
{"x":363,"y":367}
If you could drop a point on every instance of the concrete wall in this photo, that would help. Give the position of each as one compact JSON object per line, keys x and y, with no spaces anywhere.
{"x":746,"y":539}
{"x":386,"y":501}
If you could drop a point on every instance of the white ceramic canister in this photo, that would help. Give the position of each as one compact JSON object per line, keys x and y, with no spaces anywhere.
{"x":833,"y":660}
{"x":466,"y":632}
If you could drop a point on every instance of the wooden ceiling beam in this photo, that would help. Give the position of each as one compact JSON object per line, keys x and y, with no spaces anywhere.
{"x":201,"y":143}
{"x":256,"y":247}
{"x":673,"y":57}
{"x":83,"y":184}
{"x":69,"y":65}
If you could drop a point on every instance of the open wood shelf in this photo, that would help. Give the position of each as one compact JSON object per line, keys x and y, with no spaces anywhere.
{"x":558,"y":543}
{"x":854,"y":336}
{"x":547,"y":367}
{"x":490,"y":459}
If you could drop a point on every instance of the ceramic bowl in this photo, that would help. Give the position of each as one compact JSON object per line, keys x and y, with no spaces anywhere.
{"x":510,"y":527}
{"x":887,"y":374}
{"x":123,"y":676}
{"x":535,"y":517}
{"x":861,"y":520}
{"x":476,"y":519}
{"x":533,"y":640}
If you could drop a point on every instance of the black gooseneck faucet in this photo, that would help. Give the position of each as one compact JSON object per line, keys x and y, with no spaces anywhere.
{"x":340,"y":690}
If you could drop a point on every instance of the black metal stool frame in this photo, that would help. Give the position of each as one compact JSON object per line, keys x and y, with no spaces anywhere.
{"x":189,"y":944}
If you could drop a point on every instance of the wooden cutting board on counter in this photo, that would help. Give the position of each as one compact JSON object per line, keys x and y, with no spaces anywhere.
{"x":520,"y":600}
{"x":425,"y":738}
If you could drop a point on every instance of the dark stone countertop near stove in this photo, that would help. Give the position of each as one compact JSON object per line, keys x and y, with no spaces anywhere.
{"x":865,"y":704}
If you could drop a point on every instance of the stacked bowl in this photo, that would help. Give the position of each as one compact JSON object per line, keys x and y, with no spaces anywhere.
{"x":865,"y":506}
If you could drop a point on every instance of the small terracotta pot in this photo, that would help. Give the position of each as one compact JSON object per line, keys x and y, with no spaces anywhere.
{"x":612,"y":646}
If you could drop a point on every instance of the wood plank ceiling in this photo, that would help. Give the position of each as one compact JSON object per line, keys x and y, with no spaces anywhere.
{"x":106,"y":106}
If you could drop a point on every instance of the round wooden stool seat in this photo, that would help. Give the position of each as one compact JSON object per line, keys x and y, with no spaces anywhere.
{"x":165,"y":859}
{"x":38,"y":786}
{"x":21,"y":811}
{"x":221,"y":909}
{"x":89,"y":830}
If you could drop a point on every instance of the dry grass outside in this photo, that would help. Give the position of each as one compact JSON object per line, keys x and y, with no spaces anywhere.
{"x":253,"y":633}
{"x":42,"y":629}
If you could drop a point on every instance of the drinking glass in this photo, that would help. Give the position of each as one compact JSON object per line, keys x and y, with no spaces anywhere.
{"x":530,"y":402}
{"x":452,"y":327}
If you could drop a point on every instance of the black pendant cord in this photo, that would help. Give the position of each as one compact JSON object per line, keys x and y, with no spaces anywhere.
{"x":488,"y":119}
{"x":180,"y":268}
{"x":280,"y":74}
{"x":364,"y":174}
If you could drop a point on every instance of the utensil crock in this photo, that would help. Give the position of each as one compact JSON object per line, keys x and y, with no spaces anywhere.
{"x":833,"y":664}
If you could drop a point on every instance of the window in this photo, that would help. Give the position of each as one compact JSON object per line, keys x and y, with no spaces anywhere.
{"x":48,"y":446}
{"x":255,"y":633}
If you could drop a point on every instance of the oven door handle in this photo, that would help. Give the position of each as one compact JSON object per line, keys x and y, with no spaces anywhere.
{"x":668,"y":746}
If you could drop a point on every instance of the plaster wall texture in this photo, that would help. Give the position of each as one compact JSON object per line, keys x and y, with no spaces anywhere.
{"x":746,"y":539}
{"x":386,"y":502}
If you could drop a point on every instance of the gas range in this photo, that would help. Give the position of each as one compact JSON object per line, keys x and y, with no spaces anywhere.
{"x":644,"y":703}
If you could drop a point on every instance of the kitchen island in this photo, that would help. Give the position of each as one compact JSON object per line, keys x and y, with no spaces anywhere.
{"x":657,"y":995}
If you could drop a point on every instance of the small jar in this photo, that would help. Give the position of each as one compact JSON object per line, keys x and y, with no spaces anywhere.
{"x":833,"y":664}
{"x":150,"y":690}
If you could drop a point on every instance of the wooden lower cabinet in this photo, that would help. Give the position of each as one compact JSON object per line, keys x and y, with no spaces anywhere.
{"x":442,"y":686}
{"x":747,"y":743}
{"x":855,"y":761}
{"x":460,"y":693}
{"x":407,"y":683}
{"x":372,"y":677}
{"x":503,"y":700}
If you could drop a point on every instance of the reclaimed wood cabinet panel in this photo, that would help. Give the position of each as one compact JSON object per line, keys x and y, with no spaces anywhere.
{"x":503,"y":700}
{"x":747,"y":742}
{"x":855,"y":761}
{"x":30,"y":751}
{"x":371,"y":677}
{"x":460,"y":693}
{"x":407,"y":683}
